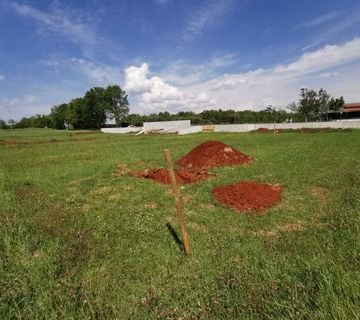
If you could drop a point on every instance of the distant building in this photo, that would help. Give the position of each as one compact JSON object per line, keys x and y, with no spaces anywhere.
{"x":351,"y":110}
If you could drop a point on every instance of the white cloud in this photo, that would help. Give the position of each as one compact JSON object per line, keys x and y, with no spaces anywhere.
{"x":161,"y":2}
{"x":328,"y":74}
{"x":57,"y":21}
{"x":182,"y":73}
{"x":101,"y":74}
{"x":154,"y":94}
{"x":255,"y":89}
{"x":319,"y":20}
{"x":95,"y":73}
{"x":228,"y":84}
{"x":281,"y":84}
{"x":338,"y":28}
{"x":327,"y":57}
{"x":208,"y":16}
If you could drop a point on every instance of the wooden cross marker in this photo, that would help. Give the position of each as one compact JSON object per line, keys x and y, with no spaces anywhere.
{"x":179,"y":209}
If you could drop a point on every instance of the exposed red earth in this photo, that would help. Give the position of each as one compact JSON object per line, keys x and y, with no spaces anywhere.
{"x":213,"y":154}
{"x":182,"y":175}
{"x":248,"y":196}
{"x":194,"y":165}
{"x":263,"y":130}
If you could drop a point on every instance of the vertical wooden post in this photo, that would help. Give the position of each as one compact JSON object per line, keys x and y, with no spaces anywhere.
{"x":179,"y":208}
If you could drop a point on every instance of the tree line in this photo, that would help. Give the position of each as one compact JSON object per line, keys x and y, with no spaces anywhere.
{"x":88,"y":112}
{"x":100,"y":104}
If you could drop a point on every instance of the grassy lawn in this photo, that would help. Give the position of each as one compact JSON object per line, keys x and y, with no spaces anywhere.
{"x":77,"y":242}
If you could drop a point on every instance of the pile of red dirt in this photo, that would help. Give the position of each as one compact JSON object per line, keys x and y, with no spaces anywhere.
{"x":248,"y":195}
{"x":212,"y":154}
{"x":183,"y":176}
{"x":263,"y":130}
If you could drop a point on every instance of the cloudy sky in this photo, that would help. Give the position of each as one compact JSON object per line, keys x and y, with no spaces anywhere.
{"x":177,"y":54}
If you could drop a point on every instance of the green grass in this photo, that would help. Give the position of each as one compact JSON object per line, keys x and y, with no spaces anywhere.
{"x":77,"y":242}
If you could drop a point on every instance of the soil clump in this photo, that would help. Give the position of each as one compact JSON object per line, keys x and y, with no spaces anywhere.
{"x":212,"y":154}
{"x":263,"y":130}
{"x":182,"y":175}
{"x":248,"y":196}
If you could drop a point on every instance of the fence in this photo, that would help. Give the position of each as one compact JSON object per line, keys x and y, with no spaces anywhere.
{"x":183,"y":127}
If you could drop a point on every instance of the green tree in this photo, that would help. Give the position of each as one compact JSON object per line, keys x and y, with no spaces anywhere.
{"x":312,"y":105}
{"x":75,"y":114}
{"x":117,"y":104}
{"x":11,"y":123}
{"x":336,"y":104}
{"x":58,"y":116}
{"x":134,"y":119}
{"x":3,"y":124}
{"x":94,"y":108}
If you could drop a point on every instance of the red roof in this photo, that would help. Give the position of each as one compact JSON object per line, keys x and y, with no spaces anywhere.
{"x":351,"y":107}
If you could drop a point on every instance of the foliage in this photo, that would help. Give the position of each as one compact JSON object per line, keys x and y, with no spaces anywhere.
{"x":3,"y":124}
{"x":92,"y":110}
{"x":314,"y":105}
{"x":37,"y":121}
{"x":335,"y":104}
{"x":269,"y":115}
{"x":100,"y":104}
{"x":117,"y":104}
{"x":58,"y":116}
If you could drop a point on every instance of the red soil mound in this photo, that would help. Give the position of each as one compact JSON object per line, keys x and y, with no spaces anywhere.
{"x":182,"y":175}
{"x":263,"y":130}
{"x":212,"y":154}
{"x":247,"y":195}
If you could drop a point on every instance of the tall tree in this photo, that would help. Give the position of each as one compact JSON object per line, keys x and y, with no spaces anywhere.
{"x":336,"y":104}
{"x":95,"y":107}
{"x":117,"y":104}
{"x":3,"y":124}
{"x":75,"y":114}
{"x":312,"y":105}
{"x":58,"y":116}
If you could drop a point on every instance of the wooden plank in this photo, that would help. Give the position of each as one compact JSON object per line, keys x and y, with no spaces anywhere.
{"x":176,"y":193}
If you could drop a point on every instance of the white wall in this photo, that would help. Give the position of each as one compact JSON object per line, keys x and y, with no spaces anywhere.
{"x":121,"y":130}
{"x":180,"y":124}
{"x":192,"y":129}
{"x":297,"y":125}
{"x":183,"y":126}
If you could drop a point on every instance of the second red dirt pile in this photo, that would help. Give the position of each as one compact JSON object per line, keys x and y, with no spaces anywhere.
{"x":194,"y":165}
{"x":213,"y":154}
{"x":248,"y":195}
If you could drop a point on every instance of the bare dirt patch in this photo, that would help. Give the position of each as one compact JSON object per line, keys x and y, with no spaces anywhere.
{"x":161,"y":175}
{"x":121,"y":170}
{"x":263,"y":130}
{"x":321,"y":194}
{"x":151,"y":205}
{"x":193,"y":167}
{"x":213,"y":154}
{"x":27,"y":191}
{"x":248,"y":196}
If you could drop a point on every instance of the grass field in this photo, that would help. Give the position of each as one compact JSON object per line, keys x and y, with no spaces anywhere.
{"x":77,"y":242}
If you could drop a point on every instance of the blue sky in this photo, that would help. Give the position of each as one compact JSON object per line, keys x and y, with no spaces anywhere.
{"x":177,"y":54}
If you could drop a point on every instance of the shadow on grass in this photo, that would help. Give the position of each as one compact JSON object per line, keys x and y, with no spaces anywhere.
{"x":175,"y":236}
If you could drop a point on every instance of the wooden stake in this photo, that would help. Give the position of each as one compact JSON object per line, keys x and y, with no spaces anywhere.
{"x":179,"y":209}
